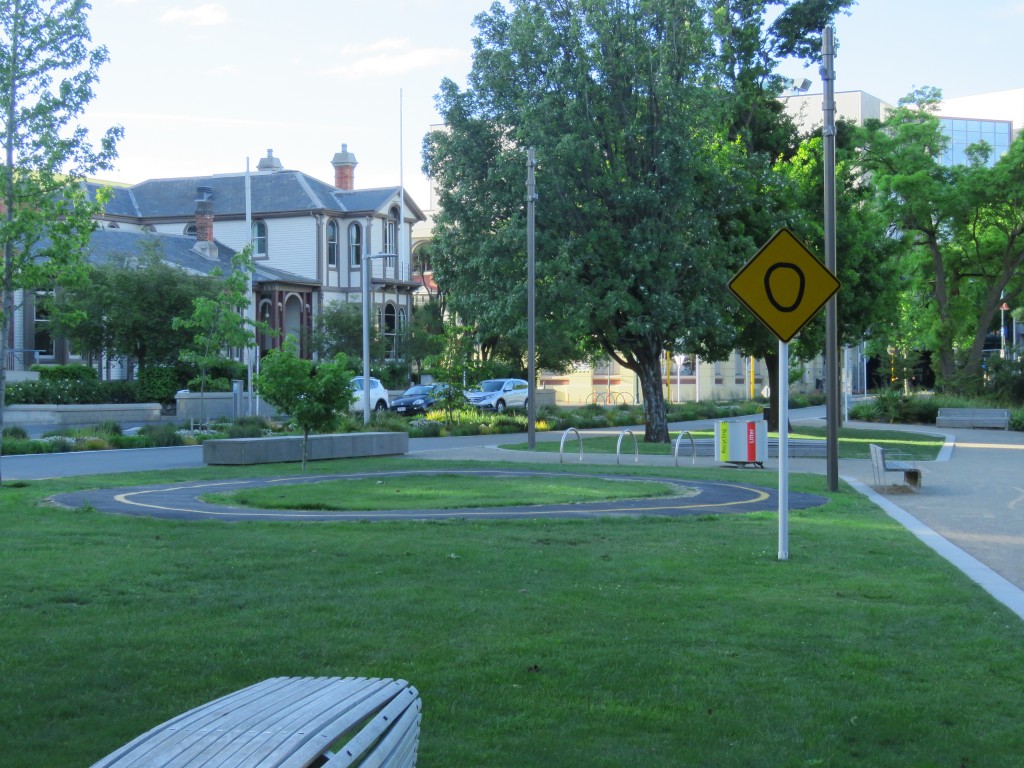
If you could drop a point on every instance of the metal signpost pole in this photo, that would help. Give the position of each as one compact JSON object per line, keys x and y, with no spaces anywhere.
{"x":832,"y":386}
{"x":531,"y":322}
{"x":783,"y":451}
{"x":366,"y":338}
{"x":365,"y":271}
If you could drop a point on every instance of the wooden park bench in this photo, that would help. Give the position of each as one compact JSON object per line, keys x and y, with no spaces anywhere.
{"x":973,"y":418}
{"x":884,"y":461}
{"x":287,"y":722}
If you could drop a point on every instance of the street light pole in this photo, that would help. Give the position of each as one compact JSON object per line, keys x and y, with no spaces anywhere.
{"x":832,"y":391}
{"x":366,"y":330}
{"x":1002,"y":327}
{"x":531,"y":302}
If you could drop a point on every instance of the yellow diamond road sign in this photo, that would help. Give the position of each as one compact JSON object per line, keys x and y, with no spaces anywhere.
{"x":784,"y":285}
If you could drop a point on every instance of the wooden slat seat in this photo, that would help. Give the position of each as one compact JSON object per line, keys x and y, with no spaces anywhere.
{"x":287,"y":722}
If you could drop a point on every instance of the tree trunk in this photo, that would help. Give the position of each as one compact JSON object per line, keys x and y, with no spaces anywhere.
{"x":655,"y":417}
{"x":940,"y":291}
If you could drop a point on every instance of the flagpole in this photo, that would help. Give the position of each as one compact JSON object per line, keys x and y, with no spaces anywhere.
{"x":252,"y":352}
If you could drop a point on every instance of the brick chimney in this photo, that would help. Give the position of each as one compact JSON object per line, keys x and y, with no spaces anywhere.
{"x":204,"y":213}
{"x":344,"y":163}
{"x":204,"y":223}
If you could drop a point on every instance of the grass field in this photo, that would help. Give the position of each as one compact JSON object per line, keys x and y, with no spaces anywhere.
{"x":853,"y":442}
{"x":438,"y":491}
{"x":610,"y":642}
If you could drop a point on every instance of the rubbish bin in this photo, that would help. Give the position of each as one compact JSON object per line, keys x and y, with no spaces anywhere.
{"x":741,"y":442}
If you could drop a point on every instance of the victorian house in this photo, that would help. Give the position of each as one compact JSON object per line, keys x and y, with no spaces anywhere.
{"x":309,"y":241}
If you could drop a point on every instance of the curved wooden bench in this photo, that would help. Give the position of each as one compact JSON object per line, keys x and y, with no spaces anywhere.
{"x":287,"y":722}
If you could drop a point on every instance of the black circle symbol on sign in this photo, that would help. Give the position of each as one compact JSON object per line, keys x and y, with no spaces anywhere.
{"x":799,"y":293}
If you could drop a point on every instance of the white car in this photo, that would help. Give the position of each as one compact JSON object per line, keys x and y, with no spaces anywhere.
{"x":499,"y":394}
{"x":378,"y":395}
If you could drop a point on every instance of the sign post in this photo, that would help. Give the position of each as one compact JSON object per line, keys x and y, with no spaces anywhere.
{"x":784,"y":285}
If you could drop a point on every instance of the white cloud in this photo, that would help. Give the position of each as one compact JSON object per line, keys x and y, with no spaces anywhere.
{"x":390,"y":57}
{"x":378,"y":46}
{"x":209,"y":15}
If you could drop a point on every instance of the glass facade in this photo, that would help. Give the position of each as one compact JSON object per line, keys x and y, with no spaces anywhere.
{"x":964,"y":132}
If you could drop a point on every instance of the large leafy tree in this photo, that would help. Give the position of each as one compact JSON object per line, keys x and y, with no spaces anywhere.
{"x":866,"y":254}
{"x":339,"y":328}
{"x":101,"y":314}
{"x":657,"y":128}
{"x":47,"y":75}
{"x":783,"y":178}
{"x":619,"y":101}
{"x":964,"y":224}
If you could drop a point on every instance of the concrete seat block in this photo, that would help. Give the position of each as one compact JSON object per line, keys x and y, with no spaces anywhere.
{"x":270,"y":450}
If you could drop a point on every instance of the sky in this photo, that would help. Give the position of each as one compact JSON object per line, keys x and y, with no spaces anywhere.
{"x":204,"y":86}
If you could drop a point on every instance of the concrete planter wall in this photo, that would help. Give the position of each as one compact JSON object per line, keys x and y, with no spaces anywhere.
{"x":269,"y":450}
{"x":217,"y":405}
{"x":71,"y":416}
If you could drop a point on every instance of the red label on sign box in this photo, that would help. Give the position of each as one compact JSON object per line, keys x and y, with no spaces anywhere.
{"x":751,"y":441}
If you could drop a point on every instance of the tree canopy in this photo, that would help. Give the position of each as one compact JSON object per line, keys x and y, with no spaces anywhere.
{"x":47,"y":76}
{"x":644,"y":116}
{"x":964,"y":226}
{"x":101,"y":314}
{"x":313,"y":394}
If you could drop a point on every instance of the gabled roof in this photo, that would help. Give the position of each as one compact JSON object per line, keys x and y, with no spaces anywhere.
{"x":278,"y":192}
{"x":179,"y":250}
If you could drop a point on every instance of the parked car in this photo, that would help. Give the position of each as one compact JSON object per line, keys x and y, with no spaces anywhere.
{"x":378,"y":395}
{"x":499,"y":394}
{"x":418,"y":399}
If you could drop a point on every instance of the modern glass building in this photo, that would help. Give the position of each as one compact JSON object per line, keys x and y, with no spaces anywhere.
{"x":963,"y":132}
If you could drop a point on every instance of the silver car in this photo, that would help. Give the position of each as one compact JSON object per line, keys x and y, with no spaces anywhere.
{"x":499,"y":394}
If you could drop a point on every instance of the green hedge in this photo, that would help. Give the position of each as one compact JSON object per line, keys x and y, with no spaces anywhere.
{"x":73,"y":372}
{"x":72,"y":392}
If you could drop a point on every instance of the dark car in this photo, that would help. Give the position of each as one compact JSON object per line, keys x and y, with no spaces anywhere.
{"x":417,"y":399}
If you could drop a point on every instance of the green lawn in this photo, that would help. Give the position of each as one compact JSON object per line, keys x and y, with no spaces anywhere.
{"x":611,"y":642}
{"x":438,"y":491}
{"x":853,"y":442}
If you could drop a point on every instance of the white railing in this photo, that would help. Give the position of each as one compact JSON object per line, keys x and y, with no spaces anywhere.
{"x":390,"y":268}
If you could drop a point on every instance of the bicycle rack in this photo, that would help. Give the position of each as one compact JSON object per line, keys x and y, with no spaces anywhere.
{"x":693,"y":445}
{"x":561,"y":445}
{"x":636,"y":448}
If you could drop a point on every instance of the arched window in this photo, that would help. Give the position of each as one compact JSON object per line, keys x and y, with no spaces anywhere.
{"x":391,"y":329}
{"x":421,"y":259}
{"x":190,"y":230}
{"x":332,"y":243}
{"x":355,"y":244}
{"x":259,"y":239}
{"x":391,"y":231}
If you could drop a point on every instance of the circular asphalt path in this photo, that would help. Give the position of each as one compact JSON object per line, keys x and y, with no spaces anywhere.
{"x":183,"y":501}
